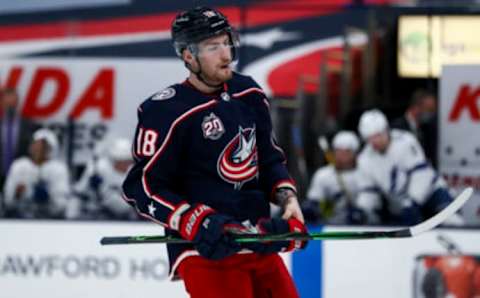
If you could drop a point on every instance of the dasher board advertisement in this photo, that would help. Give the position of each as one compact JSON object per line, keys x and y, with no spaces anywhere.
{"x":59,"y":259}
{"x":459,"y":131}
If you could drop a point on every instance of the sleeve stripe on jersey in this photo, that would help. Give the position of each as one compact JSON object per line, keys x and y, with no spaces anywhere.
{"x":247,"y":91}
{"x":419,"y":166}
{"x":162,"y":148}
{"x":174,"y":218}
{"x":265,"y":101}
{"x":285,"y":183}
{"x":128,"y":200}
{"x":288,"y":183}
{"x":162,"y":201}
{"x":371,"y":189}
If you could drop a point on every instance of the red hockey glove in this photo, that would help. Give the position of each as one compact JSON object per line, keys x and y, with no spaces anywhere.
{"x":276,"y":226}
{"x":282,"y":226}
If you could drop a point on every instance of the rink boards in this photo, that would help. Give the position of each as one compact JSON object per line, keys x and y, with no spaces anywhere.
{"x":65,"y":259}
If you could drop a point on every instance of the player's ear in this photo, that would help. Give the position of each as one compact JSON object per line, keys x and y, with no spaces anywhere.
{"x":188,"y":56}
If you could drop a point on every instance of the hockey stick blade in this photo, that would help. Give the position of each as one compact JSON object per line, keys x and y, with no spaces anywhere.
{"x":440,"y":217}
{"x":422,"y":227}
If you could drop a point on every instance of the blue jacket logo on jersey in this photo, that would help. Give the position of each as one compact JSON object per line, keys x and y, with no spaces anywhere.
{"x":238,"y":162}
{"x":212,"y":127}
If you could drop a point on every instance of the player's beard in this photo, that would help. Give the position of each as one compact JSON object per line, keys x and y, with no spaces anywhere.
{"x":220,"y":75}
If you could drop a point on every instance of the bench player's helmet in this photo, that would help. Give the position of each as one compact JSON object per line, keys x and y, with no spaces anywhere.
{"x":346,"y":140}
{"x":372,"y":122}
{"x":192,"y":26}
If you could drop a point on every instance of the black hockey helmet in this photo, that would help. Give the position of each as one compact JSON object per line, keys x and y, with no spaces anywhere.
{"x":192,"y":26}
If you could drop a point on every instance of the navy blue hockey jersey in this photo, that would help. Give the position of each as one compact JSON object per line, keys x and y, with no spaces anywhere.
{"x":214,"y":149}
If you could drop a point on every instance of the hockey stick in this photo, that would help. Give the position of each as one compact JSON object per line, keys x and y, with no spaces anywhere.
{"x":339,"y":235}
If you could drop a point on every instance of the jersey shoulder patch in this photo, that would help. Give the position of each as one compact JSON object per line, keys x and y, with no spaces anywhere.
{"x":164,"y":107}
{"x":165,"y":94}
{"x":164,"y":101}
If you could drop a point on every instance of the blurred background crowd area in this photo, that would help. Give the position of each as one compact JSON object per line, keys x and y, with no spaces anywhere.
{"x":73,"y":72}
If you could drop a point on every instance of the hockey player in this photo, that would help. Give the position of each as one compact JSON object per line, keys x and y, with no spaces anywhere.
{"x":37,"y":185}
{"x":334,"y":187}
{"x":99,"y":188}
{"x":207,"y":166}
{"x":393,"y":165}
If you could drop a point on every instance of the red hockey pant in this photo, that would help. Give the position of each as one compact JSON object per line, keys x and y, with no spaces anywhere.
{"x":238,"y":276}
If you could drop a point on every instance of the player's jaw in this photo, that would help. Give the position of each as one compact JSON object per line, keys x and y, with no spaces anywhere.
{"x":223,"y":72}
{"x":217,"y":70}
{"x":380,"y":142}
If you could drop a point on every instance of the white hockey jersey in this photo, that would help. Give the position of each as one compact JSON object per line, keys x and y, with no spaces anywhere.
{"x":109,"y":190}
{"x":399,"y":173}
{"x":24,"y":172}
{"x":337,"y":187}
